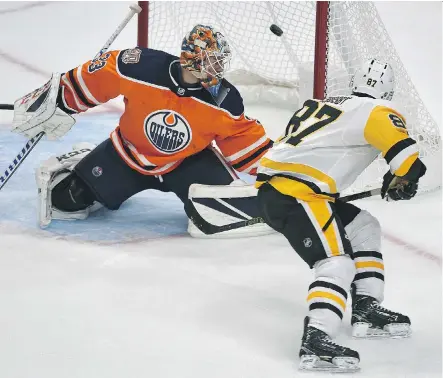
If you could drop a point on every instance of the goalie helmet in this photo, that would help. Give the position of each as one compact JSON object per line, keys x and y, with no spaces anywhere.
{"x":206,"y":53}
{"x":374,"y":78}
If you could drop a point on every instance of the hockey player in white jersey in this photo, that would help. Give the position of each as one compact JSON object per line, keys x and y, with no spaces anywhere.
{"x":327,"y":144}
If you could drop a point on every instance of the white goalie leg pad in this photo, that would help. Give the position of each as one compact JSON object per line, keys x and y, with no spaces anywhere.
{"x":223,"y":214}
{"x":364,"y":232}
{"x":328,"y":293}
{"x":50,"y":173}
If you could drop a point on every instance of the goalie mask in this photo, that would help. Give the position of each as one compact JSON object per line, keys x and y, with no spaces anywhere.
{"x":374,"y":78}
{"x":206,"y":53}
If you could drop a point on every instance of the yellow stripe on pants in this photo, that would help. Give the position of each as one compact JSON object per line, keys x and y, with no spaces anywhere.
{"x":322,"y":213}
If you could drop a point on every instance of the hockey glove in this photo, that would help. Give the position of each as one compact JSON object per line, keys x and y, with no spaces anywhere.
{"x":38,"y":112}
{"x":396,"y":188}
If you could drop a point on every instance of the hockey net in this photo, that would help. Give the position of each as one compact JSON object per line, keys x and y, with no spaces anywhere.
{"x":280,"y":70}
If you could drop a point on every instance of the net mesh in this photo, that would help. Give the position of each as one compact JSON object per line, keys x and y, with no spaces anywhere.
{"x":264,"y":60}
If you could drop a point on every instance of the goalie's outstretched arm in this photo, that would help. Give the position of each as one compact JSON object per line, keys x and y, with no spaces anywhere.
{"x":48,"y":109}
{"x":91,"y":84}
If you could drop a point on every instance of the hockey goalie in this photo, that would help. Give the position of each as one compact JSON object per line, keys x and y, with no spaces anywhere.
{"x":175,"y":109}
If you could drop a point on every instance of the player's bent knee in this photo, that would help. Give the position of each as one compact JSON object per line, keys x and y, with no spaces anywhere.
{"x":70,"y":193}
{"x":364,"y":232}
{"x":339,"y":270}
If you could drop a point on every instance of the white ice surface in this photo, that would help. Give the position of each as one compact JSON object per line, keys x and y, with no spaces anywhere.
{"x":180,"y":307}
{"x":130,"y":294}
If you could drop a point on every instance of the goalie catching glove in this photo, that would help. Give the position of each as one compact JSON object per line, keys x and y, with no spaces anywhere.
{"x":38,"y":112}
{"x":405,"y":187}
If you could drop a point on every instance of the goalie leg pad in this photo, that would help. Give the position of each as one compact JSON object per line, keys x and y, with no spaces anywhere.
{"x":56,"y":174}
{"x":224,"y":211}
{"x":217,"y":205}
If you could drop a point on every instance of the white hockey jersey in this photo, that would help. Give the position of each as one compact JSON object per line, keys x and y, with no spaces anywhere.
{"x":328,"y":144}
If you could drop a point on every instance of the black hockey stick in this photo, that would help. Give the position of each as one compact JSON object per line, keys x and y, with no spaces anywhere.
{"x":356,"y":196}
{"x":6,"y":107}
{"x":209,"y":229}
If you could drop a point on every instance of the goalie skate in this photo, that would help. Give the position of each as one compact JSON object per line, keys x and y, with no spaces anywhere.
{"x":370,"y":320}
{"x":319,"y":353}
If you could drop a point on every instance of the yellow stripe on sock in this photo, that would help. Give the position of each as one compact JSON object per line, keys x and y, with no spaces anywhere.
{"x":370,"y":264}
{"x":324,"y":294}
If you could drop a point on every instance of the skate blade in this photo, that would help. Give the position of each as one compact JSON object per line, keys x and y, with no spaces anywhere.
{"x":392,"y":331}
{"x":338,"y":364}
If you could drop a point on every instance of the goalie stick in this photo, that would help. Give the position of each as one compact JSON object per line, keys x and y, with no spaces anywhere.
{"x":209,"y":229}
{"x":13,"y":166}
{"x":6,"y":175}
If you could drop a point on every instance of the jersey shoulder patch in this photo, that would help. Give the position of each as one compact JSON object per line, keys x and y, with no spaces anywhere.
{"x":148,"y":65}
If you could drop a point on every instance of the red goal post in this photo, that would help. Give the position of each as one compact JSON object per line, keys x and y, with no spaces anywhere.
{"x":321,"y":46}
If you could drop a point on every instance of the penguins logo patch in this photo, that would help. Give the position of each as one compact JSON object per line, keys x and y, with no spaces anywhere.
{"x":168,"y":131}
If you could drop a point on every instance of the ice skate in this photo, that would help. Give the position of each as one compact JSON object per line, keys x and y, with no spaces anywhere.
{"x":371,"y":320}
{"x":319,"y":353}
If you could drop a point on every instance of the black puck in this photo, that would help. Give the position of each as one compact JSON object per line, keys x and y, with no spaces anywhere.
{"x":276,"y":30}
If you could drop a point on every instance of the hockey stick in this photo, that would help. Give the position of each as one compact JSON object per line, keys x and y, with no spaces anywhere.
{"x":209,"y":229}
{"x":20,"y":157}
{"x":356,"y":196}
{"x":134,"y":8}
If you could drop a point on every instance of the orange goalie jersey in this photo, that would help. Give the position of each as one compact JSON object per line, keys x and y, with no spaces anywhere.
{"x":164,"y":122}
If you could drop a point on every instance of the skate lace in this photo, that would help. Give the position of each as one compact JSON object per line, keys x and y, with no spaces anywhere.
{"x":378,"y":307}
{"x":327,"y":340}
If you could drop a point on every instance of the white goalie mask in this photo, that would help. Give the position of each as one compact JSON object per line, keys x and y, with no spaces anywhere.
{"x":374,"y":78}
{"x":206,"y":53}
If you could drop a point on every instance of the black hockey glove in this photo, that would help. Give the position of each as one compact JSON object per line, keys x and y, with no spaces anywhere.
{"x":397,"y":188}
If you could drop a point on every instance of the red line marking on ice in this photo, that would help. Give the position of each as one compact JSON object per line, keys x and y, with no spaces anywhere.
{"x":414,"y":249}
